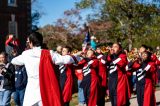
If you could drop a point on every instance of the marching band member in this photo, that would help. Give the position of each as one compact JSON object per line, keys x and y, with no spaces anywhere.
{"x":145,"y":69}
{"x":89,"y":66}
{"x":102,"y":76}
{"x":118,"y":83}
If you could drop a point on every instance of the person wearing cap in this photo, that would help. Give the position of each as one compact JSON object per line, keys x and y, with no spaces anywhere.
{"x":93,"y":42}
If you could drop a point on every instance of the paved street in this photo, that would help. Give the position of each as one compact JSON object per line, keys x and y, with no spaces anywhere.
{"x":134,"y":100}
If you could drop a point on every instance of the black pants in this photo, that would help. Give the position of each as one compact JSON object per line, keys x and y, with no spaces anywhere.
{"x":140,"y":93}
{"x":101,"y":100}
{"x":62,"y":80}
{"x":112,"y":86}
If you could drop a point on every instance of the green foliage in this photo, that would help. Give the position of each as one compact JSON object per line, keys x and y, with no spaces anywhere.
{"x":125,"y":21}
{"x":133,"y":23}
{"x":83,"y":4}
{"x":55,"y":35}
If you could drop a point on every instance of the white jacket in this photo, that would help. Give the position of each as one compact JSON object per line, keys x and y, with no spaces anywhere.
{"x":31,"y":59}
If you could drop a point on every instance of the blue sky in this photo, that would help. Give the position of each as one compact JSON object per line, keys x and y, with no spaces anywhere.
{"x":53,"y":9}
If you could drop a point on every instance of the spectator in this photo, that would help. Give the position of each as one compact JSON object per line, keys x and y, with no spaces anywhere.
{"x":7,"y":72}
{"x":20,"y":84}
{"x":1,"y":88}
{"x":11,"y":44}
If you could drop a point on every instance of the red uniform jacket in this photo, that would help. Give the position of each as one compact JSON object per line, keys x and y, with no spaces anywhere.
{"x":149,"y":90}
{"x":68,"y":85}
{"x":102,"y":70}
{"x":123,"y":89}
{"x":93,"y":71}
{"x":157,"y":62}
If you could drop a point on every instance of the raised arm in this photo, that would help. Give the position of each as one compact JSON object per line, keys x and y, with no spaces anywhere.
{"x":19,"y":60}
{"x":59,"y":59}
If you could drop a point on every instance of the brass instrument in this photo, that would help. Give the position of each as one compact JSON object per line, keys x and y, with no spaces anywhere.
{"x":104,"y":50}
{"x":134,"y":56}
{"x":74,"y":51}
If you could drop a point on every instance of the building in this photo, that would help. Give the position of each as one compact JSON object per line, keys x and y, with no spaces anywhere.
{"x":15,"y":18}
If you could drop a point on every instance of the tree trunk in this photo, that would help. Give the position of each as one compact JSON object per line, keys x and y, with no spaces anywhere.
{"x":130,"y":43}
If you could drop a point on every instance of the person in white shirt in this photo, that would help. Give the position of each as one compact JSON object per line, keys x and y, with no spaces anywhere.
{"x":31,"y":59}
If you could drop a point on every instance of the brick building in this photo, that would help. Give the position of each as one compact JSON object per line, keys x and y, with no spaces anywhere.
{"x":15,"y":18}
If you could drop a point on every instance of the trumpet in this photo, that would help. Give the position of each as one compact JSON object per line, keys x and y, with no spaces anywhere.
{"x":134,"y":56}
{"x":104,"y":50}
{"x":74,"y":51}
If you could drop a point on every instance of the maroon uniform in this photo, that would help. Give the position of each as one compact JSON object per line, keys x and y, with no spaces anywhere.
{"x":102,"y":70}
{"x":157,"y":63}
{"x":118,"y":83}
{"x":145,"y":83}
{"x":103,"y":79}
{"x":66,"y":80}
{"x":90,"y":80}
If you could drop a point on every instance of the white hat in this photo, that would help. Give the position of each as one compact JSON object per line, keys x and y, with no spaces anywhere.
{"x":93,"y":37}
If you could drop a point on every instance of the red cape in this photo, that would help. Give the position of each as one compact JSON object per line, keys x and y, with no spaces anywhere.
{"x":49,"y":86}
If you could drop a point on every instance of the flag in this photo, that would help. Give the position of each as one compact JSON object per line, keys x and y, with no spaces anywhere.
{"x":86,"y":42}
{"x":87,"y":38}
{"x":84,"y":47}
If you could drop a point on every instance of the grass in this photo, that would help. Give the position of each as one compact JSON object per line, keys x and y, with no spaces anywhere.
{"x":74,"y":100}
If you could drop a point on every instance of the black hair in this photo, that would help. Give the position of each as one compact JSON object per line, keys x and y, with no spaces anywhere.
{"x":144,"y":46}
{"x":110,"y":44}
{"x":68,"y":48}
{"x":150,"y":49}
{"x":44,"y":46}
{"x":36,"y":39}
{"x":120,"y":46}
{"x":4,"y":54}
{"x":149,"y":54}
